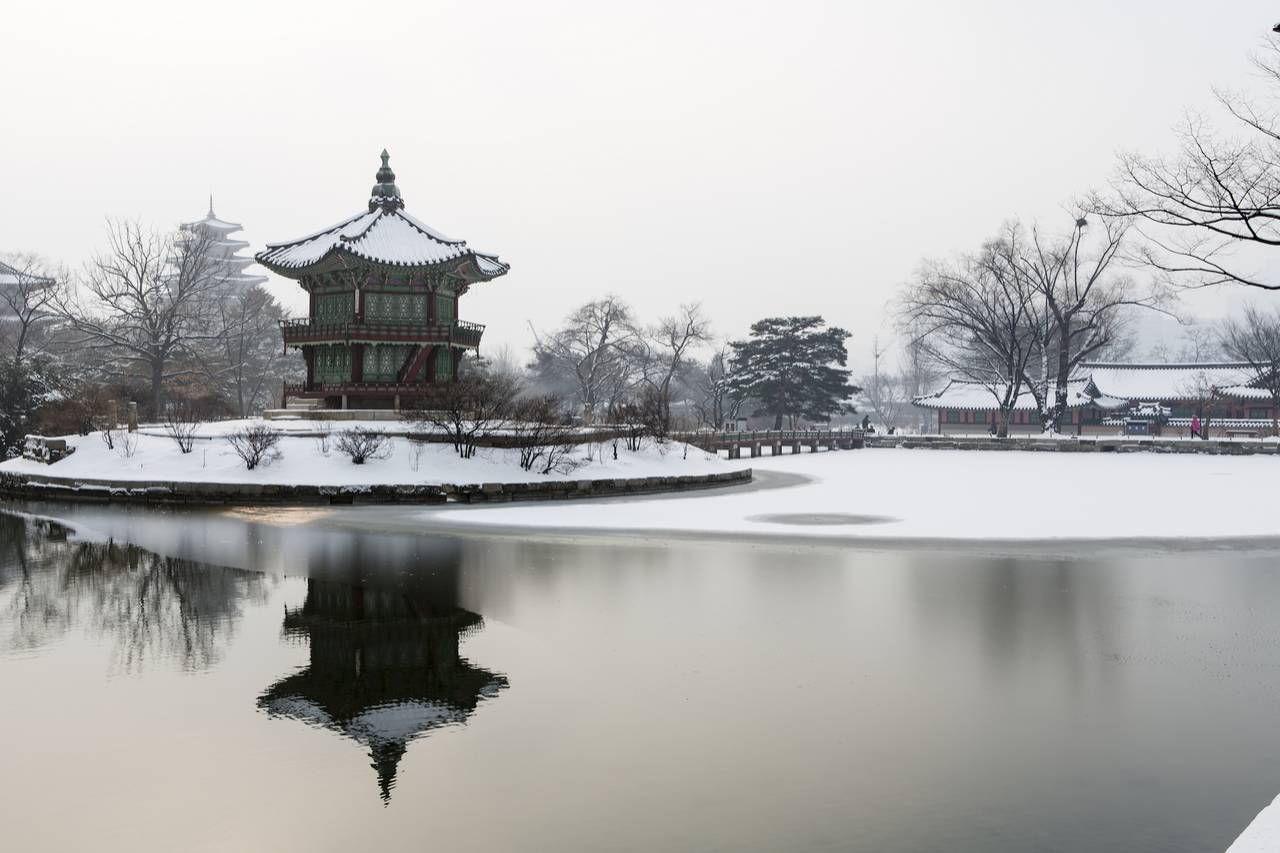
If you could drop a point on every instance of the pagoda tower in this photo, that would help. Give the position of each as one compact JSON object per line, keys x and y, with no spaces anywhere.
{"x":230,"y":266}
{"x":383,"y":324}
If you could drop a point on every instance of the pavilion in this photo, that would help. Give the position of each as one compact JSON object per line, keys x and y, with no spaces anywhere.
{"x":383,"y":324}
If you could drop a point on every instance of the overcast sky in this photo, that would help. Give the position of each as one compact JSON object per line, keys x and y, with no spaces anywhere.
{"x":762,"y":158}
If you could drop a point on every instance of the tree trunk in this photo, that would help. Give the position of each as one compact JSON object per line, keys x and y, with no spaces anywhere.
{"x":1002,"y":423}
{"x":777,"y":420}
{"x":157,"y":388}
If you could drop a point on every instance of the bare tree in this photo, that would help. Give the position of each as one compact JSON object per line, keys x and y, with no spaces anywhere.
{"x":1218,"y":193}
{"x":974,"y":317}
{"x":1254,"y":338}
{"x":244,"y":355}
{"x":591,"y":354}
{"x":919,"y":376}
{"x":467,"y":410}
{"x":1083,"y":303}
{"x":28,"y":287}
{"x":545,"y":441}
{"x":181,"y":423}
{"x":884,"y":391}
{"x":1200,"y":391}
{"x":144,"y":302}
{"x":664,"y":351}
{"x":712,"y":397}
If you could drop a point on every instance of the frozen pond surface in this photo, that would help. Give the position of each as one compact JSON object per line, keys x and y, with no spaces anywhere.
{"x":314,"y":680}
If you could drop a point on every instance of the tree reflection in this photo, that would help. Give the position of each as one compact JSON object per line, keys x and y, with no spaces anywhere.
{"x":385,"y":668}
{"x":148,"y":606}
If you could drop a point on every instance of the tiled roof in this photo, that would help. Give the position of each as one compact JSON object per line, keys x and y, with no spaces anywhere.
{"x":383,"y":236}
{"x":975,"y":395}
{"x":1186,"y":381}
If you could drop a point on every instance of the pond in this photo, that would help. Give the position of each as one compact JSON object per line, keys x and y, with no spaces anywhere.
{"x":336,"y":680}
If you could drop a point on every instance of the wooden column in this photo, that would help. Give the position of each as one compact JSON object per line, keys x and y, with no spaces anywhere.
{"x":309,"y":356}
{"x":357,"y":362}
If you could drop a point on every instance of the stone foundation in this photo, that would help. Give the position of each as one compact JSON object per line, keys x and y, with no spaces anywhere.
{"x":39,"y":487}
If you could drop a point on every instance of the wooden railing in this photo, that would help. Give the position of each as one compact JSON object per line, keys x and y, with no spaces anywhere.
{"x":306,"y":330}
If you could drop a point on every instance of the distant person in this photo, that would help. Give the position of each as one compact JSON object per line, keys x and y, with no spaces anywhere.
{"x":991,"y":430}
{"x":1195,"y":427}
{"x":866,"y":422}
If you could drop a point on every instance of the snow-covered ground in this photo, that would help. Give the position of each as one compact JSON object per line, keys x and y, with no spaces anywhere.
{"x":949,"y":494}
{"x":302,"y":462}
{"x":1263,"y":835}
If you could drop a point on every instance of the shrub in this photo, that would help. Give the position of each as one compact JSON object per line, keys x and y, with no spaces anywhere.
{"x":466,"y":411}
{"x":362,"y":444}
{"x":181,"y":423}
{"x":255,"y":445}
{"x":545,"y":441}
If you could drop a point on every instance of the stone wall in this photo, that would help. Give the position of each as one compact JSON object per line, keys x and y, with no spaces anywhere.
{"x":41,"y":487}
{"x":1079,"y":444}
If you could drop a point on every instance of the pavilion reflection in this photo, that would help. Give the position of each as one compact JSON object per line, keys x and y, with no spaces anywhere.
{"x":385,"y":667}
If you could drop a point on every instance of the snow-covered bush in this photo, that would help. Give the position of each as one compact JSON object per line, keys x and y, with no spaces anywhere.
{"x":544,"y":440}
{"x":363,"y":444}
{"x":181,"y":423}
{"x":256,"y":445}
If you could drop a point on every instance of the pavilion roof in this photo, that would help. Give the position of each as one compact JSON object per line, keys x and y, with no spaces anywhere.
{"x":1173,"y":381}
{"x":959,"y":394}
{"x":383,"y":235}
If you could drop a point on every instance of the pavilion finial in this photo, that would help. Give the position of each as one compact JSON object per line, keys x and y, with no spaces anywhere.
{"x":385,"y":192}
{"x":211,"y":216}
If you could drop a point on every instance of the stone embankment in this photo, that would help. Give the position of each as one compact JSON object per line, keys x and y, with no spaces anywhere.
{"x":1081,"y":444}
{"x":42,"y":487}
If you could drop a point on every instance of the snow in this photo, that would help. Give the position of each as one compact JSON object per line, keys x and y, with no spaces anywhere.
{"x":975,"y":395}
{"x":156,"y":458}
{"x":1163,"y":381}
{"x":1263,"y":835}
{"x":390,"y":237}
{"x":920,"y":494}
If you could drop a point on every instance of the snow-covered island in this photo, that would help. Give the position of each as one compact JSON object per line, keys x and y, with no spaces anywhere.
{"x":308,"y":455}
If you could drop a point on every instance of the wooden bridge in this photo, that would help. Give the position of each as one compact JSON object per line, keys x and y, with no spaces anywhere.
{"x":755,"y":441}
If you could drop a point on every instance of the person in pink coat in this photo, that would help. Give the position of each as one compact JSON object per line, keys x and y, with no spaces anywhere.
{"x":1195,"y":427}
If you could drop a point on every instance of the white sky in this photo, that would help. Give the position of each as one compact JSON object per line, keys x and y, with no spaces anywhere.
{"x":763,"y":158}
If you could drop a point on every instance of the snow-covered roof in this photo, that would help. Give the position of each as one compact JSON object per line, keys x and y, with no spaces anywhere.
{"x":383,"y":235}
{"x":11,"y":276}
{"x":959,"y":394}
{"x":1178,"y":381}
{"x":1245,"y":392}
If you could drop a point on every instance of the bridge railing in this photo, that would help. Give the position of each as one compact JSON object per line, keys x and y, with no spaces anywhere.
{"x":768,"y":435}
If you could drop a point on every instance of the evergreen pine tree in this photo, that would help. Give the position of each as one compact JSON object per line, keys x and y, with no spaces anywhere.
{"x":793,"y":367}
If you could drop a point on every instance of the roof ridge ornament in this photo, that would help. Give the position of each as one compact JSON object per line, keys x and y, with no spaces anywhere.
{"x":385,"y":192}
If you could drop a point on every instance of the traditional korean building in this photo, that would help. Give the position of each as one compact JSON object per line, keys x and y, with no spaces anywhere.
{"x":385,"y":670}
{"x":230,"y":265}
{"x":1105,"y":395}
{"x":384,"y":290}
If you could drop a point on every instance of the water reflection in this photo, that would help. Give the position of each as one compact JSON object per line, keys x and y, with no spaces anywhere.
{"x":384,"y":669}
{"x":147,"y":605}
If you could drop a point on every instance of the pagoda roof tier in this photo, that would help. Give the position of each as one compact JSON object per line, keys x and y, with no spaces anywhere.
{"x":211,"y":222}
{"x":382,"y":236}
